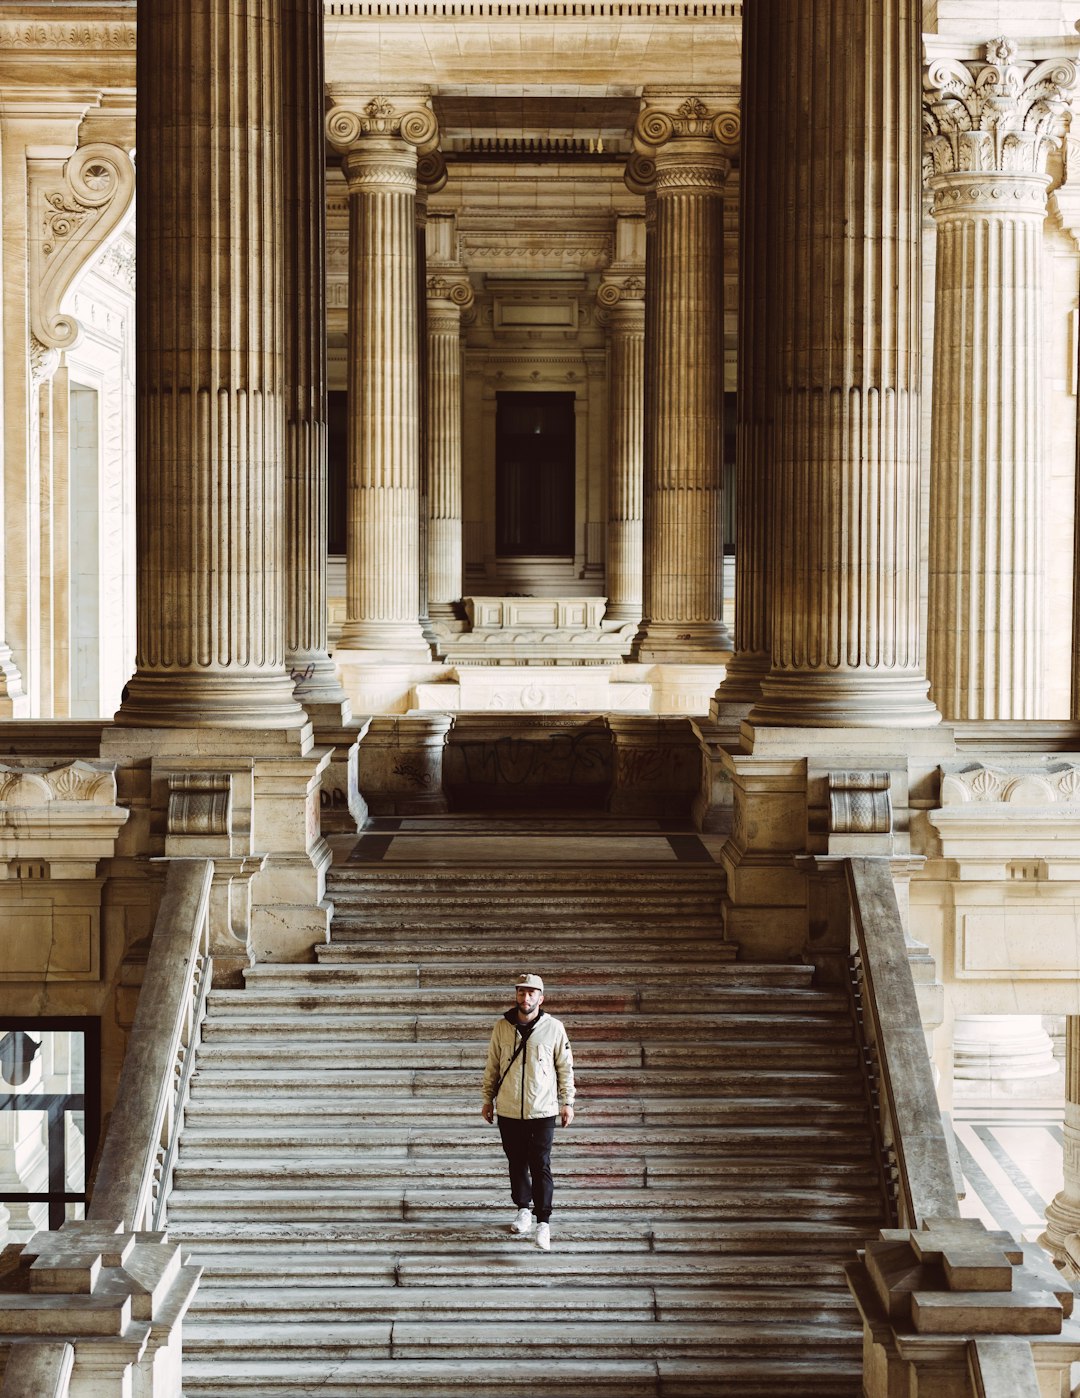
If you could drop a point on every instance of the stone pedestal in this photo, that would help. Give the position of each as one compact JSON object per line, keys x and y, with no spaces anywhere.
{"x":1000,"y":1056}
{"x":682,"y":605}
{"x":990,"y":126}
{"x":400,"y":767}
{"x":839,"y":205}
{"x":380,"y":145}
{"x":210,"y":384}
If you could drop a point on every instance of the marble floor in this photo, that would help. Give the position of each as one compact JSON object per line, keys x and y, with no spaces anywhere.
{"x":1012,"y":1163}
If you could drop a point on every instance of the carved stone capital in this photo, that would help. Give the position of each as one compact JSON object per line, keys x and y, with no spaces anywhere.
{"x":383,"y":164}
{"x":999,"y":116}
{"x":963,"y":193}
{"x":640,"y":174}
{"x":691,"y":120}
{"x":74,"y":209}
{"x":621,"y":298}
{"x":451,"y":288}
{"x":349,"y":125}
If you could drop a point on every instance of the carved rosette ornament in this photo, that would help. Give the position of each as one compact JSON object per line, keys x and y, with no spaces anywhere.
{"x":988,"y":128}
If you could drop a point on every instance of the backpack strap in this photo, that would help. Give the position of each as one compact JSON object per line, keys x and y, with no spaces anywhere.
{"x":502,"y":1075}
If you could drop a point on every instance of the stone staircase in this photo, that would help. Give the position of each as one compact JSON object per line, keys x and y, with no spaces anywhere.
{"x":351,"y":1207}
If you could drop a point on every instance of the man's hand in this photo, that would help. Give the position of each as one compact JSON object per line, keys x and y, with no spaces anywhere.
{"x":567,"y":1115}
{"x":487,"y":1111}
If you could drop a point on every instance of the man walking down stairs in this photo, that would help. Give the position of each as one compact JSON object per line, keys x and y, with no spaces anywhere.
{"x":351,"y":1209}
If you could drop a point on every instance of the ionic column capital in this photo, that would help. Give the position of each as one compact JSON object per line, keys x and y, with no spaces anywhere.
{"x":621,"y":298}
{"x":691,"y":146}
{"x":994,"y":117}
{"x":353,"y":121}
{"x":449,"y":293}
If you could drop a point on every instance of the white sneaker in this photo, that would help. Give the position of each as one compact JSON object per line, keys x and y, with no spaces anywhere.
{"x":543,"y":1237}
{"x":523,"y":1223}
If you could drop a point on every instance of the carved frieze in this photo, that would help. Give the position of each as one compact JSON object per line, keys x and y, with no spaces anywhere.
{"x":859,"y":803}
{"x":1057,"y":785}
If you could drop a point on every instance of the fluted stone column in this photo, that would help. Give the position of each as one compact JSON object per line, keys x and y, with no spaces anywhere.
{"x":380,"y":146}
{"x":842,"y":217}
{"x":210,"y":384}
{"x":1063,"y":1215}
{"x":624,"y":303}
{"x":314,"y":675}
{"x":682,"y":617}
{"x":758,"y":265}
{"x":989,"y":127}
{"x":447,"y":297}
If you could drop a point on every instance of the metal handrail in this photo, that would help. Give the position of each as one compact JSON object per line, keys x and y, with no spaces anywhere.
{"x":909,"y":1115}
{"x":135,"y":1171}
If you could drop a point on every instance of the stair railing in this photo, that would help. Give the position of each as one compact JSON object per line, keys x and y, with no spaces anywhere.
{"x":909,"y":1118}
{"x":135,"y":1170}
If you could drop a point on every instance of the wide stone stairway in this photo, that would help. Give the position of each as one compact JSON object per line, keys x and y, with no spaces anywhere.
{"x":351,"y":1208}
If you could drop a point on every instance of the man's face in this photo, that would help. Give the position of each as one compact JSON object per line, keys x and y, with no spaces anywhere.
{"x":528,"y":1001}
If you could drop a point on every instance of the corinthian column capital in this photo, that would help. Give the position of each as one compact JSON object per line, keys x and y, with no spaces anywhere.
{"x":998,"y":116}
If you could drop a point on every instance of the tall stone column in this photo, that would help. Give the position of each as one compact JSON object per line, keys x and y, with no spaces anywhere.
{"x":210,"y":385}
{"x":842,"y":217}
{"x":380,"y":146}
{"x":623,"y":300}
{"x":682,"y":539}
{"x":1063,"y":1215}
{"x":989,"y":127}
{"x":447,"y":297}
{"x":314,"y":675}
{"x":758,"y":265}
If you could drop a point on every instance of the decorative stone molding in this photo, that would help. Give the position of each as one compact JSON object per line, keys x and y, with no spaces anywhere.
{"x":200,"y":804}
{"x":999,"y":116}
{"x":76,"y":781}
{"x":44,"y":362}
{"x":56,"y":34}
{"x":860,"y":803}
{"x":73,"y":212}
{"x":346,"y":126}
{"x":1058,"y":785}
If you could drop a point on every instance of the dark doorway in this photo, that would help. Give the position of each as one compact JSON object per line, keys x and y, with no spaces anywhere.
{"x":337,"y":470}
{"x":534,"y":474}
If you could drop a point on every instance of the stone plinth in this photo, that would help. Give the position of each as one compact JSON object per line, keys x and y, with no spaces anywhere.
{"x":537,"y":630}
{"x":400,"y":764}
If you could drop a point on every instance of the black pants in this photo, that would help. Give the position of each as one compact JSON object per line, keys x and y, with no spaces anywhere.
{"x":528,"y":1150}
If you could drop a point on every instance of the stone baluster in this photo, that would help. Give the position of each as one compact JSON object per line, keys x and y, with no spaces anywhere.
{"x":1063,"y":1215}
{"x":624,"y":303}
{"x":841,"y":214}
{"x":380,"y":146}
{"x":210,"y":387}
{"x":448,"y":295}
{"x":315,"y":678}
{"x":682,"y":536}
{"x":989,"y":126}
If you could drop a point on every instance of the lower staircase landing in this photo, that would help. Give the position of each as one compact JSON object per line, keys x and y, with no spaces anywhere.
{"x":351,"y":1208}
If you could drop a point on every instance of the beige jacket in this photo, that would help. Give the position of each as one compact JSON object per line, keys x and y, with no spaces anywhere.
{"x":542,"y":1077}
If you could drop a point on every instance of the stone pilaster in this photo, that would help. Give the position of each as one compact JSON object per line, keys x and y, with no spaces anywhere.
{"x":1063,"y":1215}
{"x":682,"y":540}
{"x":447,"y":296}
{"x":380,"y":145}
{"x":431,"y":176}
{"x":989,"y":127}
{"x":210,"y":388}
{"x":842,"y":216}
{"x":314,"y":675}
{"x":624,"y":303}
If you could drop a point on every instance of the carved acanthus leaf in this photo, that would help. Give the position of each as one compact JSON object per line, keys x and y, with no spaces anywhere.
{"x":997,"y":116}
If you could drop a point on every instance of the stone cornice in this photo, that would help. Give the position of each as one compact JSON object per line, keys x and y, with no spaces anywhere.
{"x":999,"y":116}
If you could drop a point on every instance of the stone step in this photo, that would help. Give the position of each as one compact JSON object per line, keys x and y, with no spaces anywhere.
{"x":488,"y":1205}
{"x":465,"y":1082}
{"x":259,"y":1049}
{"x":778,"y":1142}
{"x":482,"y":1341}
{"x":388,"y":975}
{"x":765,"y":1029}
{"x":513,"y":1303}
{"x":493,"y":999}
{"x":585,"y":1264}
{"x":400,"y":881}
{"x":765,"y":1376}
{"x":342,"y":959}
{"x":202,"y":1171}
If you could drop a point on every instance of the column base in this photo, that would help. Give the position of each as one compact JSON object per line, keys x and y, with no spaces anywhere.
{"x":183,"y":700}
{"x":316,"y":683}
{"x":383,"y":643}
{"x":844,"y":699}
{"x":682,"y":643}
{"x":623,"y":612}
{"x":740,"y":688}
